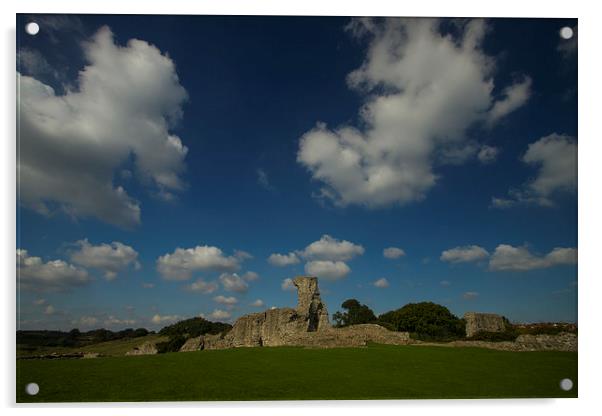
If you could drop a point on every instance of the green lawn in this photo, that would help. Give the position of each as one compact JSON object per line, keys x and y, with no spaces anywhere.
{"x":376,"y":372}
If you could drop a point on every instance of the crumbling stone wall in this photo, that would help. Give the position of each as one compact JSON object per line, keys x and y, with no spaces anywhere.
{"x":306,"y":325}
{"x":148,"y":348}
{"x":565,"y":341}
{"x":486,"y":322}
{"x":276,"y":327}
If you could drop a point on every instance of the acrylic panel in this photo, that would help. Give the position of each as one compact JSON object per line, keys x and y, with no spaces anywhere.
{"x":225,"y":208}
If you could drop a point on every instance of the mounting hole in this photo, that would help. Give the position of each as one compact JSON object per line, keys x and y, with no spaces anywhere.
{"x":566,"y":384}
{"x":32,"y":389}
{"x":32,"y":28}
{"x":566,"y":33}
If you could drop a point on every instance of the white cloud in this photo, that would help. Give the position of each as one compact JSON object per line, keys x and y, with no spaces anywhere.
{"x":161,"y":319}
{"x":393,"y":253}
{"x":287,"y":284}
{"x":242,"y":255}
{"x":113,"y":321}
{"x":226,"y":300}
{"x":219,"y":314}
{"x":464,"y":254}
{"x":381,"y":283}
{"x":514,"y":96}
{"x":424,"y":89}
{"x":488,"y":154}
{"x":507,"y":257}
{"x":39,"y":302}
{"x":258,"y":303}
{"x":50,"y":310}
{"x":326,"y":269}
{"x":325,"y":257}
{"x":73,"y":145}
{"x":445,"y":283}
{"x":202,"y":286}
{"x":555,"y":156}
{"x":470,"y":295}
{"x":54,"y":275}
{"x":282,"y":260}
{"x":329,"y":248}
{"x":110,"y":258}
{"x":32,"y":62}
{"x":180,"y":264}
{"x":232,"y":282}
{"x":264,"y":180}
{"x":148,"y":285}
{"x":250,"y":276}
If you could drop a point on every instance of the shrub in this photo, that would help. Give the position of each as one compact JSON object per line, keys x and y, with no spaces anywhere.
{"x":194,"y":327}
{"x":426,"y":321}
{"x":172,"y":345}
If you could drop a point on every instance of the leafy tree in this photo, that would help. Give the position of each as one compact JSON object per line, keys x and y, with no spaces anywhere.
{"x":425,"y":320}
{"x":194,"y":327}
{"x":140,"y":332}
{"x":355,"y":313}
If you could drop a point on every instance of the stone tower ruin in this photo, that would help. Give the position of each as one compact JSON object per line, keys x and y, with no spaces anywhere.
{"x":309,"y":303}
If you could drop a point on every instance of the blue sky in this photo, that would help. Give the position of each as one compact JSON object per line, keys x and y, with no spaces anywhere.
{"x":236,"y":138}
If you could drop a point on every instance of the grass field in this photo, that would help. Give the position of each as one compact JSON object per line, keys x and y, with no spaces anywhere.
{"x":375,"y":372}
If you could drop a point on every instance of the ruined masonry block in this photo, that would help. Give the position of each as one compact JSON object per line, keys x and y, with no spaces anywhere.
{"x":483,"y":322}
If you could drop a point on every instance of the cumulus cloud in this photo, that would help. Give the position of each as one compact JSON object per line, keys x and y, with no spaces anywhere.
{"x":72,"y":145}
{"x":555,"y":156}
{"x":329,"y":248}
{"x":55,"y":275}
{"x":488,"y":154}
{"x":242,"y":255}
{"x":226,"y":300}
{"x":282,"y":260}
{"x":424,"y":88}
{"x":113,"y":321}
{"x":507,"y":257}
{"x":161,"y":319}
{"x":258,"y":303}
{"x":32,"y":62}
{"x":180,"y":264}
{"x":513,"y":97}
{"x":464,"y":254}
{"x":219,"y":314}
{"x":232,"y":282}
{"x":325,"y":257}
{"x":202,"y":286}
{"x":326,"y":269}
{"x":470,"y":295}
{"x":287,"y":284}
{"x":381,"y":283}
{"x":393,"y":253}
{"x":250,"y":276}
{"x":110,"y":258}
